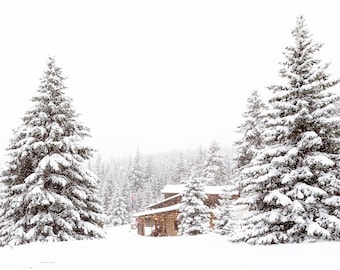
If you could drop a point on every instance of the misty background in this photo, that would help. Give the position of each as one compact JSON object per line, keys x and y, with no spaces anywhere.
{"x":153,"y":75}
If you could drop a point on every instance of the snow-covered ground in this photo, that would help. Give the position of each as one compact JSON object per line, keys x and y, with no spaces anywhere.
{"x":124,"y":249}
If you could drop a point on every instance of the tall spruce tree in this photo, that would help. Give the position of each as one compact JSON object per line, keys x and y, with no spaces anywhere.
{"x":136,"y":173}
{"x":293,"y":184}
{"x":251,"y":130}
{"x":180,"y":171}
{"x":49,"y":195}
{"x":214,"y":171}
{"x":107,"y":194}
{"x":251,"y":140}
{"x":119,"y":214}
{"x":194,"y":214}
{"x":199,"y":160}
{"x":152,"y":189}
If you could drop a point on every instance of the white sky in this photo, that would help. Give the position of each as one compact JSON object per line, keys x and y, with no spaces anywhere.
{"x":154,"y":75}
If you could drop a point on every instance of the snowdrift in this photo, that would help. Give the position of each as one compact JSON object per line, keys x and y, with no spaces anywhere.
{"x":124,"y":249}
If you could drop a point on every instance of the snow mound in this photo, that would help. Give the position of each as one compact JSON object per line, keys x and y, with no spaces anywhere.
{"x":125,"y":249}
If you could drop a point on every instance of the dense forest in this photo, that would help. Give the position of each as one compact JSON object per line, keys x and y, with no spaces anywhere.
{"x":137,"y":181}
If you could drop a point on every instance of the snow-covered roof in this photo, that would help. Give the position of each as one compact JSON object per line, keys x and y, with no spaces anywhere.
{"x":158,"y":210}
{"x":180,"y":189}
{"x":162,"y":201}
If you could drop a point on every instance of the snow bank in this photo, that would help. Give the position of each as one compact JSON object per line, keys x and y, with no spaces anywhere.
{"x":124,"y":249}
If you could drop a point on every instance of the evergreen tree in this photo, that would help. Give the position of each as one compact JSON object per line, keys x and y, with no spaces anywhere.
{"x":120,"y":215}
{"x":98,"y":168}
{"x":228,"y":165}
{"x":194,"y":214}
{"x":106,"y":185}
{"x":214,"y":172}
{"x":293,"y":184}
{"x":151,"y":190}
{"x":224,"y":220}
{"x":49,"y":195}
{"x":252,"y":131}
{"x":136,"y":183}
{"x":199,"y":160}
{"x":252,"y":137}
{"x":136,"y":173}
{"x":180,"y":171}
{"x":107,"y":193}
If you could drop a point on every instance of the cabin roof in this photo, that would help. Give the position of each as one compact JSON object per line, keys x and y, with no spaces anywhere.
{"x":164,"y":200}
{"x":158,"y":210}
{"x":179,"y":189}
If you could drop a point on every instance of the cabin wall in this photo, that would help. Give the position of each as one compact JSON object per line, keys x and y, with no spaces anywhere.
{"x":212,"y":201}
{"x":171,"y":224}
{"x":162,"y":224}
{"x":141,"y":225}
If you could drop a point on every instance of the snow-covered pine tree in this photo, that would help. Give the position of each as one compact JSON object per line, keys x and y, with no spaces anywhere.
{"x":136,"y":183}
{"x":98,"y":168}
{"x":214,"y":172}
{"x":251,"y":140}
{"x":108,"y":190}
{"x":151,"y":189}
{"x":119,"y":214}
{"x":251,"y":130}
{"x":224,"y":220}
{"x":194,"y":215}
{"x":198,"y":161}
{"x":136,"y":173}
{"x":293,"y":184}
{"x":180,"y":171}
{"x":106,"y":182}
{"x":49,"y":195}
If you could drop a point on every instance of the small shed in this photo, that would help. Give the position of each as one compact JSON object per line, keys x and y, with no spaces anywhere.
{"x":160,"y":218}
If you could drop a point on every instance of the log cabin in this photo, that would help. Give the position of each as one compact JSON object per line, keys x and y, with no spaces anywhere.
{"x":160,"y":218}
